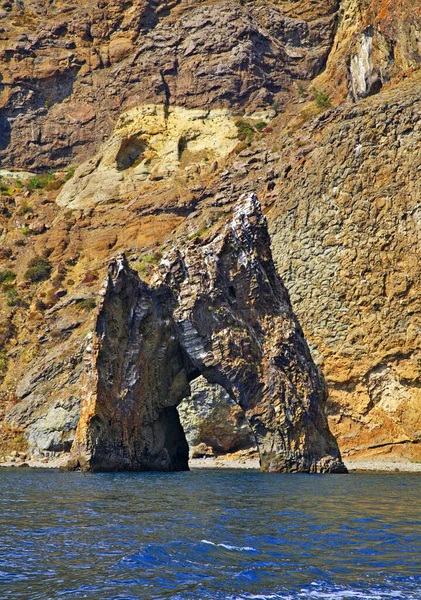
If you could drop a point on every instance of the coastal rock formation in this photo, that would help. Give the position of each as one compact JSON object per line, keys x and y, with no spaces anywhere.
{"x":218,"y":310}
{"x":325,"y":100}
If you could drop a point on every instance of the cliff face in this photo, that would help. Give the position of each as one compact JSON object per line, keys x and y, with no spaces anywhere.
{"x":376,"y":41}
{"x":347,"y":242}
{"x":218,"y":310}
{"x":170,"y":111}
{"x":69,"y":69}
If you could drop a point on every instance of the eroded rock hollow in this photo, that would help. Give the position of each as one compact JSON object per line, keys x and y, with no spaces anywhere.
{"x":217,"y":310}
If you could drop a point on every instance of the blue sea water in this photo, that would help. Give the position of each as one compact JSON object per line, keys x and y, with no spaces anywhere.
{"x":220,"y":535}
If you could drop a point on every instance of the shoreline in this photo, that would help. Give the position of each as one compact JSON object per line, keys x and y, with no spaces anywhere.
{"x":353,"y":465}
{"x":369,"y":464}
{"x":357,"y":465}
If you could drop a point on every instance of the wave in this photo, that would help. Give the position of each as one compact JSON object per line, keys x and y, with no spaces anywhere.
{"x":229,"y":547}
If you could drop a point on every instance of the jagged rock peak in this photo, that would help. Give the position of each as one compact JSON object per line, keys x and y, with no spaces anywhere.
{"x":217,"y":310}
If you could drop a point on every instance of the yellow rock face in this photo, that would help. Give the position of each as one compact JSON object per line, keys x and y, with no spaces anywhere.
{"x":152,"y":143}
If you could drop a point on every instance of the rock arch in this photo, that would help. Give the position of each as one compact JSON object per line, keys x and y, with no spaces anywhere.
{"x":216,"y":309}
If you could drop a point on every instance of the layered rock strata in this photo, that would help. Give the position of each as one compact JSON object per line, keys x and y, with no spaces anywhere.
{"x":347,"y":243}
{"x":218,"y":310}
{"x":340,"y":190}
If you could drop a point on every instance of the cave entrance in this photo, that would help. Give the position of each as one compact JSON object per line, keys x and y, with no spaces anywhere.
{"x":154,"y":394}
{"x":130,"y":153}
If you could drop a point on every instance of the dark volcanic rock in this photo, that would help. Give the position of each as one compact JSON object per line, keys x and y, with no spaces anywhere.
{"x":216,"y":309}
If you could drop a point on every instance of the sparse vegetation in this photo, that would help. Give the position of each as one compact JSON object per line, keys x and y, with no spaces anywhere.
{"x":3,"y":361}
{"x":260,"y":125}
{"x":147,"y":263}
{"x":39,"y":269}
{"x":321,"y":99}
{"x":87,"y":303}
{"x":69,"y":173}
{"x":40,"y":181}
{"x":245,"y":130}
{"x":24,"y":208}
{"x":4,"y":188}
{"x":33,"y":184}
{"x":12,"y":297}
{"x":7,"y":276}
{"x":302,"y":91}
{"x":198,"y":234}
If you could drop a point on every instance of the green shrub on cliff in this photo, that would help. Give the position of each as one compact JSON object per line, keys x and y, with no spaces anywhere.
{"x":260,"y":126}
{"x":147,"y":263}
{"x":69,"y":173}
{"x":12,"y":297}
{"x":7,"y":276}
{"x":245,"y":131}
{"x":87,"y":304}
{"x":4,"y":188}
{"x":3,"y":361}
{"x":321,"y":99}
{"x":40,"y":182}
{"x":39,"y":269}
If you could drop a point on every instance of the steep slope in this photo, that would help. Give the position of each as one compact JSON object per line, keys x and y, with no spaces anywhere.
{"x":376,"y":41}
{"x":347,"y":242}
{"x":69,"y":69}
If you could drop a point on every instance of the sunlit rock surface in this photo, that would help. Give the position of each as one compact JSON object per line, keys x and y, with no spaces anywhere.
{"x":211,"y":417}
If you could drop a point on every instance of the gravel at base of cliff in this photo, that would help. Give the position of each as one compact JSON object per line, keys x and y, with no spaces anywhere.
{"x":382,"y":465}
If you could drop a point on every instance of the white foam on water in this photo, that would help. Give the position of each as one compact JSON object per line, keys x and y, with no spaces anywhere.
{"x":228,"y":547}
{"x":259,"y":597}
{"x":349,"y":594}
{"x":307,"y":594}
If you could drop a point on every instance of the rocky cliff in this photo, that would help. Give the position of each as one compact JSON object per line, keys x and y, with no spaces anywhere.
{"x":70,"y":68}
{"x":219,"y":310}
{"x":347,"y":242}
{"x":168,"y":112}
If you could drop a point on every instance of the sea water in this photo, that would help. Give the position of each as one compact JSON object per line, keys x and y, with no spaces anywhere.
{"x":208,"y":534}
